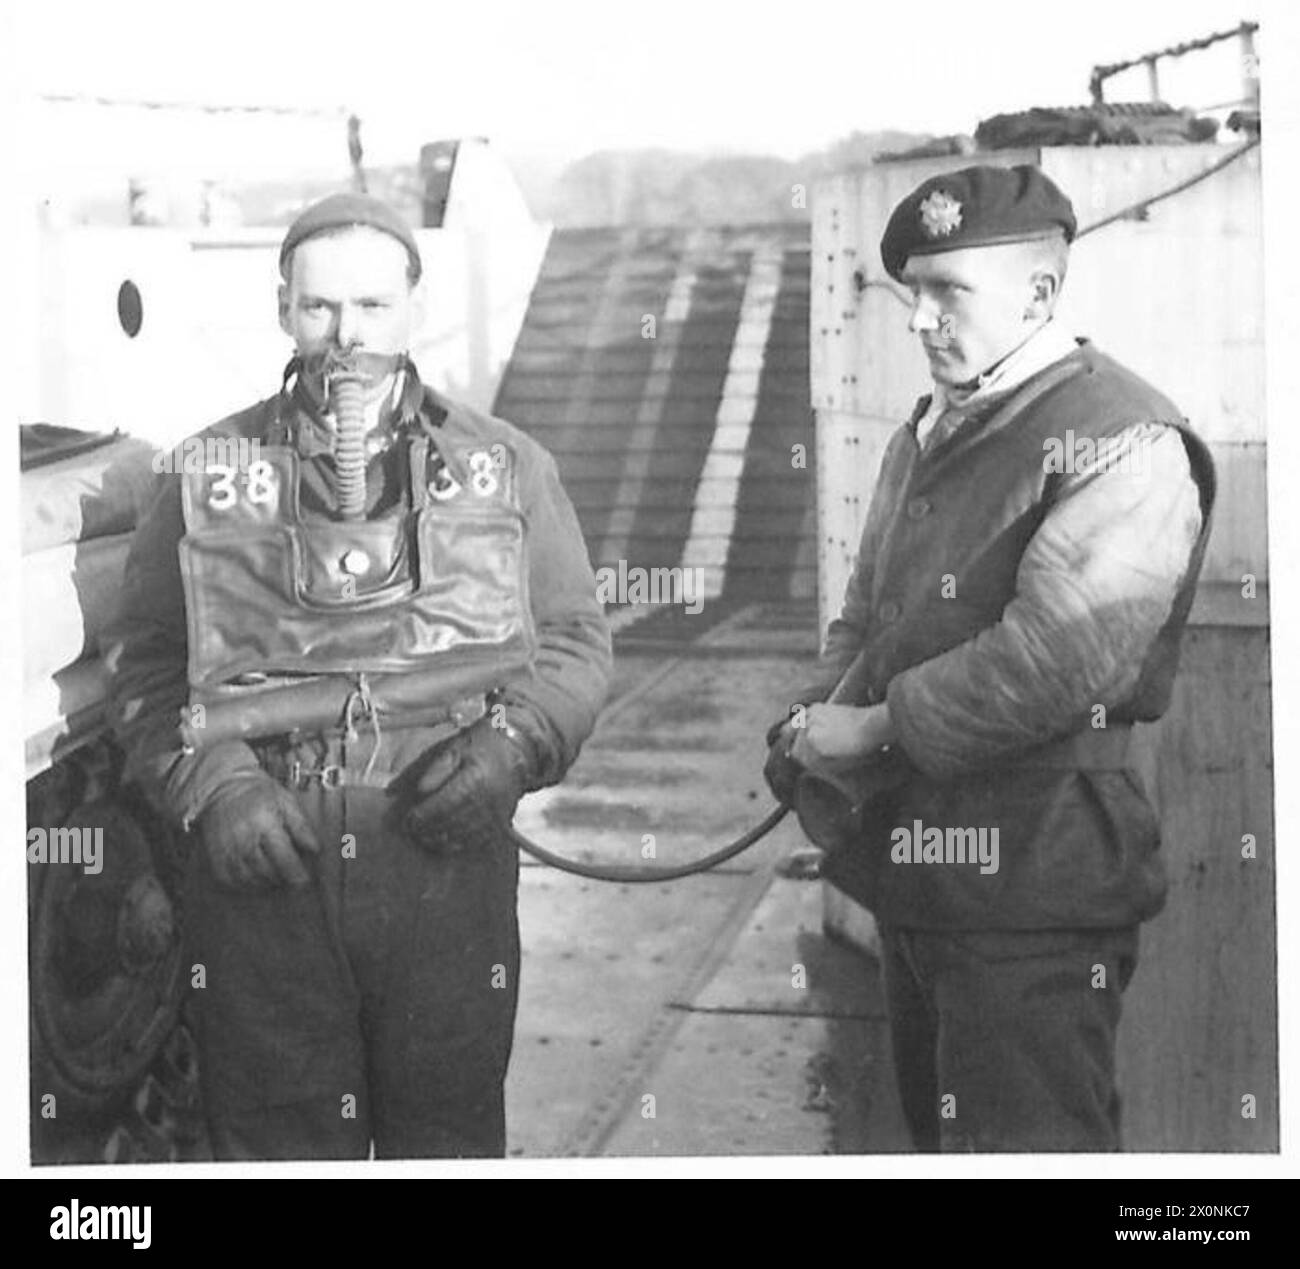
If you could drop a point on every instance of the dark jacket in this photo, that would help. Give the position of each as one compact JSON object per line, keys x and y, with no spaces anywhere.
{"x":1017,"y":620}
{"x":554,"y":702}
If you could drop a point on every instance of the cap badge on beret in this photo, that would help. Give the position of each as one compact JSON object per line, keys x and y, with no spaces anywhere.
{"x":940,"y":214}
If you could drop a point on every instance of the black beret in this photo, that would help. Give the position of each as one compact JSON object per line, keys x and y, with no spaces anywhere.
{"x":975,"y":207}
{"x":339,"y":211}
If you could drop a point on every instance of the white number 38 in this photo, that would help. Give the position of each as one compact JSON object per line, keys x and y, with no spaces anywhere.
{"x":259,"y":484}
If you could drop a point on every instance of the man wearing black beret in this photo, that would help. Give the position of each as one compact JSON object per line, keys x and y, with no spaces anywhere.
{"x":374,"y":618}
{"x":1027,"y":564}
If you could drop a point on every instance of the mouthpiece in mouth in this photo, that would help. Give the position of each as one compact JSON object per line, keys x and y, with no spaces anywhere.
{"x":368,"y":369}
{"x":347,"y":380}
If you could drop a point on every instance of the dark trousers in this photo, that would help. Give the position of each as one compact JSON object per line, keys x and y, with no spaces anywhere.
{"x":376,"y":1005}
{"x":1003,"y":1040}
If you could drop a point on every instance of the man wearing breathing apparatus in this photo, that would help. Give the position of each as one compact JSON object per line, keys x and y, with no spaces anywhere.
{"x":343,"y":658}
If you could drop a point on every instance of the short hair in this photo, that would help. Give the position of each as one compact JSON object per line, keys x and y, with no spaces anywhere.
{"x":413,"y":270}
{"x":1052,"y":252}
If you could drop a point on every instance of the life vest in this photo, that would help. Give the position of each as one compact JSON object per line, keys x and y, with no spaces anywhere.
{"x":287,"y":615}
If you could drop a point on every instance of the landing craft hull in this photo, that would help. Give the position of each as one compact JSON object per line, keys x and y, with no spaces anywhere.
{"x":113,"y":1073}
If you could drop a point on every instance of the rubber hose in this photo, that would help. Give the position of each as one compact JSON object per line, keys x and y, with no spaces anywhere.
{"x":636,"y":874}
{"x":347,"y":399}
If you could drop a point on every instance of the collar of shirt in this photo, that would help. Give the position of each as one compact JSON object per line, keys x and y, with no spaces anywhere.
{"x":1046,"y":346}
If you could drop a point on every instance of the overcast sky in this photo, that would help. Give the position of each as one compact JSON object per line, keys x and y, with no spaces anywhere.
{"x":566,"y":77}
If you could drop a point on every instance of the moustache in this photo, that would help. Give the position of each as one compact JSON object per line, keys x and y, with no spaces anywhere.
{"x":351,"y":364}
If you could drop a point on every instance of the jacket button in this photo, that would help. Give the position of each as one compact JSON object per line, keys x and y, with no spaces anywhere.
{"x":889,"y":611}
{"x":917,"y":508}
{"x":355,"y":562}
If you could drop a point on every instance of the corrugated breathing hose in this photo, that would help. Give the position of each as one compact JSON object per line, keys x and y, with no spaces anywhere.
{"x":347,"y":397}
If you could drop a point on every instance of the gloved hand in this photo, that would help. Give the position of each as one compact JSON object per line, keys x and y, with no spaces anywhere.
{"x":780,"y":770}
{"x":461,"y":795}
{"x":254,"y":833}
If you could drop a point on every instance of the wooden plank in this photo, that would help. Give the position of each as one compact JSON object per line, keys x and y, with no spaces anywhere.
{"x":1200,"y":1029}
{"x":1239,"y":540}
{"x":1224,"y":604}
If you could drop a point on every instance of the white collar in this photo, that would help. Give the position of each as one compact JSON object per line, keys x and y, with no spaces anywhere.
{"x":1046,"y":346}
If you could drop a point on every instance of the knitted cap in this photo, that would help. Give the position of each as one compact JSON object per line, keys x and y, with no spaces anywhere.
{"x":341,"y":211}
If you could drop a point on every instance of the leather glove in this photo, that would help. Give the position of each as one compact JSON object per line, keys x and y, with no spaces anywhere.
{"x":254,"y":834}
{"x":775,"y":730}
{"x":461,"y":795}
{"x":780,"y":770}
